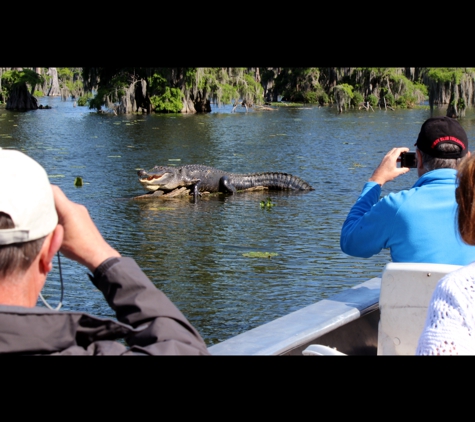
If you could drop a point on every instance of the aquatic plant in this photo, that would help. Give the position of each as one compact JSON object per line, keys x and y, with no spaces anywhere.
{"x":267,"y":203}
{"x":260,"y":254}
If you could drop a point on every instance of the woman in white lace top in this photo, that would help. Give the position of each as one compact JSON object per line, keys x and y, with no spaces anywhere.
{"x":450,"y":324}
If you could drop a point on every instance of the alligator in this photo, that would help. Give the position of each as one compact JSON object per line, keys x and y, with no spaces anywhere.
{"x":201,"y":178}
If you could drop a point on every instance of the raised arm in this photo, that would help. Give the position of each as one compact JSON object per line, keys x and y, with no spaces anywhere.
{"x":160,"y":328}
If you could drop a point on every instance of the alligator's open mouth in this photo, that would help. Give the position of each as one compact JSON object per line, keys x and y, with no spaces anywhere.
{"x":150,"y":181}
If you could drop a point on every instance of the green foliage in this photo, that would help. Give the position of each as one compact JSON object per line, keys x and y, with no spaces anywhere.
{"x":224,"y":85}
{"x":64,"y":73}
{"x":372,"y":99}
{"x":346,"y":86}
{"x":297,"y":84}
{"x":306,"y":97}
{"x":169,"y":101}
{"x":389,"y":97}
{"x":99,"y":99}
{"x":357,"y":99}
{"x":250,"y":89}
{"x":165,"y":98}
{"x":386,"y":97}
{"x":111,"y":85}
{"x":421,"y":88}
{"x":38,"y":94}
{"x":267,"y":204}
{"x":310,"y":97}
{"x":445,"y":74}
{"x":347,"y":89}
{"x":84,"y":100}
{"x":18,"y":77}
{"x":226,"y":93}
{"x":343,"y":95}
{"x":322,"y":97}
{"x":405,"y":101}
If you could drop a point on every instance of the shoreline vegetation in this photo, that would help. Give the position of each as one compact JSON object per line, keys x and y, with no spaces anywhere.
{"x":197,"y":90}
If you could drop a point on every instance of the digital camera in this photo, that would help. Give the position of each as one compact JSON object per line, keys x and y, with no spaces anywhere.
{"x":408,"y":159}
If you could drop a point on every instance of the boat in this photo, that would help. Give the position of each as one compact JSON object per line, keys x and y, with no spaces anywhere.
{"x":381,"y":316}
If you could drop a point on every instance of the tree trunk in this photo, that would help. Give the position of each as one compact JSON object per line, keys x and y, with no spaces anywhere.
{"x":188,"y":106}
{"x":142,"y":100}
{"x":452,"y":110}
{"x":20,"y":99}
{"x":53,"y":90}
{"x":202,"y":106}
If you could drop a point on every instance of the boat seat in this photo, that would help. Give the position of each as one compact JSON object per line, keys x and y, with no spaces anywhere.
{"x":406,"y":291}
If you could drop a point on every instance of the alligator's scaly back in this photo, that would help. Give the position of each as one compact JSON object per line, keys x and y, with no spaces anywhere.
{"x":270,"y":180}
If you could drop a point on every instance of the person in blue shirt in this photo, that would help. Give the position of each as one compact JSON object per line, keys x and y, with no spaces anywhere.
{"x":418,"y":224}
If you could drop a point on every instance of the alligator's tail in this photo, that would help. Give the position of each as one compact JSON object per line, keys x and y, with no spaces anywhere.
{"x":275,"y":181}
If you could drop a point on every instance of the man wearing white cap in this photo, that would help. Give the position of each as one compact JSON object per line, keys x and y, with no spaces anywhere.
{"x":35,"y":222}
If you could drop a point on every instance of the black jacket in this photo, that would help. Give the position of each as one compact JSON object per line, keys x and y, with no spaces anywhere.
{"x":149,"y":322}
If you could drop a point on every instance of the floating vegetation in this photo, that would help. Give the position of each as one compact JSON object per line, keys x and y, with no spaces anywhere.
{"x":260,"y":254}
{"x":114,"y":156}
{"x":267,"y":203}
{"x":78,"y":182}
{"x":174,"y":159}
{"x":53,"y":176}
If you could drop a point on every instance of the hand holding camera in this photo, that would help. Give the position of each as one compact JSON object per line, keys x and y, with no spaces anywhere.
{"x":387,"y":169}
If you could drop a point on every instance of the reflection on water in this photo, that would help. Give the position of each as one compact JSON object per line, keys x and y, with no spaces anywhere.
{"x":197,"y":252}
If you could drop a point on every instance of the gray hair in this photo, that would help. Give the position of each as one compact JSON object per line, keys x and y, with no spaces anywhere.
{"x":432,"y":163}
{"x":17,"y":257}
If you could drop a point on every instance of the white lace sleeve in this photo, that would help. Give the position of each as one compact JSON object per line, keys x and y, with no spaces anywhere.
{"x":450,"y":324}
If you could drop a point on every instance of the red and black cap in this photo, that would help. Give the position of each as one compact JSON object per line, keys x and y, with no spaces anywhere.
{"x":439,"y":130}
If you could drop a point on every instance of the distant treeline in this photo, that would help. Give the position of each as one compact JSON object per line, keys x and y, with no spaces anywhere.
{"x":189,"y":90}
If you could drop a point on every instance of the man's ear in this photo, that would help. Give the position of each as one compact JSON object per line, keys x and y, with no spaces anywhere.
{"x":419,"y":159}
{"x":49,"y":249}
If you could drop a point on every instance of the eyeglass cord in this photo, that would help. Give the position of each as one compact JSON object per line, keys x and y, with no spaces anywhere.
{"x":62,"y":290}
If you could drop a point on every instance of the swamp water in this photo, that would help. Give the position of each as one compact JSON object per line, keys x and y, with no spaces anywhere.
{"x":226,"y":262}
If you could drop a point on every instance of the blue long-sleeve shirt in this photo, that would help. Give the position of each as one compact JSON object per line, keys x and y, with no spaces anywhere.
{"x":417,"y":225}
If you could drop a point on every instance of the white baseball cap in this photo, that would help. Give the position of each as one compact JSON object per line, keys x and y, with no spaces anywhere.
{"x":26,"y":196}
